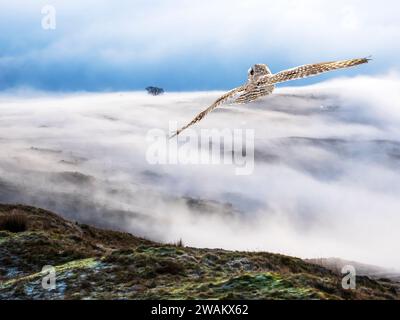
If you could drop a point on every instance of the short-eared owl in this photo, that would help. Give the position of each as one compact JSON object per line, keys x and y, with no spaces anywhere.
{"x":261,"y":82}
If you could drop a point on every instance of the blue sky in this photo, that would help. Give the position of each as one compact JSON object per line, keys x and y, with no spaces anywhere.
{"x":187,"y":45}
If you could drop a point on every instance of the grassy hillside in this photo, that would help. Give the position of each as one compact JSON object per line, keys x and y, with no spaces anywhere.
{"x":101,"y":264}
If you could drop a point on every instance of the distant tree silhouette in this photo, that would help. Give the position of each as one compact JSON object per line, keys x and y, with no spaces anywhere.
{"x":155,"y":91}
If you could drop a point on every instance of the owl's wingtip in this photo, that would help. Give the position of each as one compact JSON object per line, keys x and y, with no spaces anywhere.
{"x":173,"y":136}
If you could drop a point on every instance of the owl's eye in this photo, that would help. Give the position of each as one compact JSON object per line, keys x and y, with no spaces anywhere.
{"x":252,"y":72}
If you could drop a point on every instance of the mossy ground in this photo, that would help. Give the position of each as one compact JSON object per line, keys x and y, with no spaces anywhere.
{"x":91,"y":263}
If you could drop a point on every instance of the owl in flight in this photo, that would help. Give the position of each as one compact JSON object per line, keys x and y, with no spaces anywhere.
{"x":261,"y":82}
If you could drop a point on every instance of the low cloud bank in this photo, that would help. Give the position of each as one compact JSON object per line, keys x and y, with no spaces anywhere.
{"x":326,"y":179}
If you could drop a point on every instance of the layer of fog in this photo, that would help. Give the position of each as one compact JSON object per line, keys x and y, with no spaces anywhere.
{"x":326,"y":180}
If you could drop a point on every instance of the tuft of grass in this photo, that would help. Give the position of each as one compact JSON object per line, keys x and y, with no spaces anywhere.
{"x":168,"y":266}
{"x":179,"y":244}
{"x":14,"y":222}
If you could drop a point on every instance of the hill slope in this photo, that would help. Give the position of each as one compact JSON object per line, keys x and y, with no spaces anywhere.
{"x":101,"y":264}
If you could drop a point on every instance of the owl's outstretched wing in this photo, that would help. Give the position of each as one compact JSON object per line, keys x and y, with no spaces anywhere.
{"x":310,"y":70}
{"x":265,"y":84}
{"x":253,"y":92}
{"x":217,"y":103}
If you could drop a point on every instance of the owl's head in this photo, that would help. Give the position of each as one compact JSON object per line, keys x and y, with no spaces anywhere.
{"x":257,"y":71}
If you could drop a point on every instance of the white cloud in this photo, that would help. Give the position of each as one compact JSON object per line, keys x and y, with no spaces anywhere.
{"x":326,"y":181}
